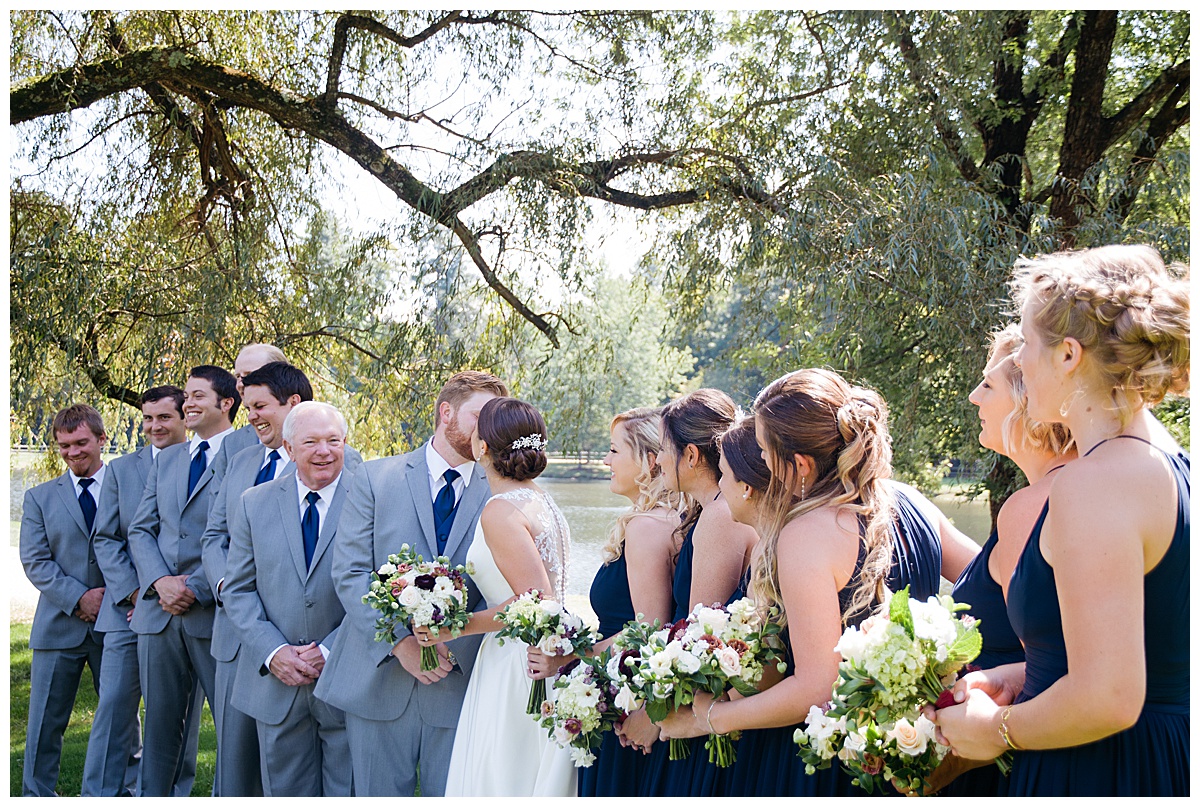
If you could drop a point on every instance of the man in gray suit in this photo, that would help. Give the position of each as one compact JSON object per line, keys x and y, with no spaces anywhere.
{"x":120,"y":690}
{"x":398,"y":717}
{"x":165,"y":542}
{"x":57,"y":526}
{"x":279,"y":591}
{"x":268,"y":394}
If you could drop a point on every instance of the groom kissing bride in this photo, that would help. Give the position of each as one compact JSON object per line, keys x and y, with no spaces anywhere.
{"x":399,"y":719}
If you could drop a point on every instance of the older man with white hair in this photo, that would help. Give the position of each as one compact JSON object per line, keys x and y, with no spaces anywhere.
{"x":280,"y":595}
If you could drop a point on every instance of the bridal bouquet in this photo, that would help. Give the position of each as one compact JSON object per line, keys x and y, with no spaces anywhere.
{"x":545,"y":624}
{"x":892,"y":665}
{"x":583,"y":709}
{"x":432,"y":594}
{"x":713,"y":649}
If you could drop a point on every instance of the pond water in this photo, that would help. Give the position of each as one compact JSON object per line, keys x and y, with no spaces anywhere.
{"x":590,"y":508}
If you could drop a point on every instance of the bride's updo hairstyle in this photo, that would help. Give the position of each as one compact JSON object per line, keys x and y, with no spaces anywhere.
{"x":1125,"y":307}
{"x":1019,"y":431}
{"x":844,"y":429}
{"x":698,"y":418}
{"x":504,"y":422}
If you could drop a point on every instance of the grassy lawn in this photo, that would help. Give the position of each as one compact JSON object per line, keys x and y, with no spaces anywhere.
{"x":75,"y":740}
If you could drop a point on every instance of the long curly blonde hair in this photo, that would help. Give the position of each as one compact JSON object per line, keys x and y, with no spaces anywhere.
{"x":1124,"y":306}
{"x":844,"y":429}
{"x":642,"y":428}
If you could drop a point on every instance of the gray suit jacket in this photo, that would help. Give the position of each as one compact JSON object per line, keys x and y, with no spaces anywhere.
{"x":270,"y":596}
{"x":164,"y":538}
{"x":56,"y":551}
{"x":389,"y":505}
{"x":124,"y":483}
{"x":238,"y":478}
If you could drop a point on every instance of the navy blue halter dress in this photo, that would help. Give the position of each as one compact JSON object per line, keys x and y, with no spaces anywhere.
{"x":768,"y":763}
{"x":1152,"y":757}
{"x":1001,"y":646}
{"x":695,"y":775}
{"x":617,"y":770}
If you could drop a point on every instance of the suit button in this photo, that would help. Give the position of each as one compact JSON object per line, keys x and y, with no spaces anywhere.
{"x":93,"y":562}
{"x":308,"y":603}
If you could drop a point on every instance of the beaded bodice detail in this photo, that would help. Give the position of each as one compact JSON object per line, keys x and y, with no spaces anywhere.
{"x":553,"y":536}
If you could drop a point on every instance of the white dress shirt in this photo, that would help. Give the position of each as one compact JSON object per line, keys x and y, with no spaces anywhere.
{"x":214,"y":445}
{"x":438,"y":466}
{"x":322,"y":505}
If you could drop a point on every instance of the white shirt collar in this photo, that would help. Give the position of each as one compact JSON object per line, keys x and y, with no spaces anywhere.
{"x":438,"y":466}
{"x":284,"y":457}
{"x":97,"y":480}
{"x":214,"y":444}
{"x":326,"y":492}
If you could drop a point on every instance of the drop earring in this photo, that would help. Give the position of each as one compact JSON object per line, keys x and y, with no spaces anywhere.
{"x":801,"y":488}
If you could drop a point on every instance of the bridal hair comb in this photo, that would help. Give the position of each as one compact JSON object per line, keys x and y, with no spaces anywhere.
{"x":533,"y":441}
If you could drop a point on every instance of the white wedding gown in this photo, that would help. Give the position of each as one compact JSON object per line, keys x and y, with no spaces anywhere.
{"x":499,"y":749}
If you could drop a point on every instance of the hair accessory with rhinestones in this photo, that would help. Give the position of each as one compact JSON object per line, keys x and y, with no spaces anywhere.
{"x":533,"y":441}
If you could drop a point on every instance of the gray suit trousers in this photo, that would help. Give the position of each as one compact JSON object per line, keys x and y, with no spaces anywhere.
{"x":237,"y":740}
{"x":395,"y":773}
{"x":52,"y":674}
{"x":111,"y":765}
{"x":181,"y":660}
{"x":287,"y":750}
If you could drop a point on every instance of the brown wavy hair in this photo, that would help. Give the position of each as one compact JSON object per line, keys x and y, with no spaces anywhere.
{"x":844,"y":429}
{"x":698,"y":418}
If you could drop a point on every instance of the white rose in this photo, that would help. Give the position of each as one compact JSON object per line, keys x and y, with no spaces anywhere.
{"x":562,"y":736}
{"x":613,"y":668}
{"x":909,"y":739}
{"x":550,"y":607}
{"x":387,"y":570}
{"x":410,"y":596}
{"x":626,"y":701}
{"x":855,"y":742}
{"x":727,"y":657}
{"x":548,"y":645}
{"x":660,"y":663}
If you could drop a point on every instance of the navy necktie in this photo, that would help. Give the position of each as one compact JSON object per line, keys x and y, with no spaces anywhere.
{"x":267,"y":472}
{"x":197,"y":467}
{"x":310,"y":527}
{"x":87,"y":504}
{"x":443,"y":510}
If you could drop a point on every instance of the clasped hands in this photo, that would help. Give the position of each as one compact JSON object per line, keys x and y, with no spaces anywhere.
{"x":173,"y":594}
{"x":970,"y":727}
{"x":297,"y":665}
{"x":88,"y":607}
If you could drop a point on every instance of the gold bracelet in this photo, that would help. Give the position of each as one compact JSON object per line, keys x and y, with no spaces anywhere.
{"x":708,"y":717}
{"x":1004,"y":730}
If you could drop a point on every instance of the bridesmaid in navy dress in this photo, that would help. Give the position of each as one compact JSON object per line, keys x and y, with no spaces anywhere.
{"x":635,"y":580}
{"x":1039,"y":450}
{"x":713,"y":556}
{"x":1100,"y":596}
{"x":830,"y":524}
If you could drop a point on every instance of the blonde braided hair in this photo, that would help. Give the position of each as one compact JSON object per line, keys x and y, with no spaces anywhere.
{"x":1124,"y":306}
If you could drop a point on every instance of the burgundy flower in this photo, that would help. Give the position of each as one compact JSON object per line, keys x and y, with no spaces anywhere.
{"x":945,"y":700}
{"x":627,"y":670}
{"x":872,"y":764}
{"x":572,"y":725}
{"x":424,"y":582}
{"x":973,"y":668}
{"x":739,"y":646}
{"x":566,"y":668}
{"x":676,"y":629}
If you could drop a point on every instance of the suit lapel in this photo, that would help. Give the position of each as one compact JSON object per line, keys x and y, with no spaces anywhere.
{"x":289,"y":514}
{"x":418,"y":487}
{"x":67,"y":492}
{"x":472,"y":502}
{"x":145,"y":462}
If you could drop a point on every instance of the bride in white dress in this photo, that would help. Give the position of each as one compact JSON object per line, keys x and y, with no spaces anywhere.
{"x":521,"y":542}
